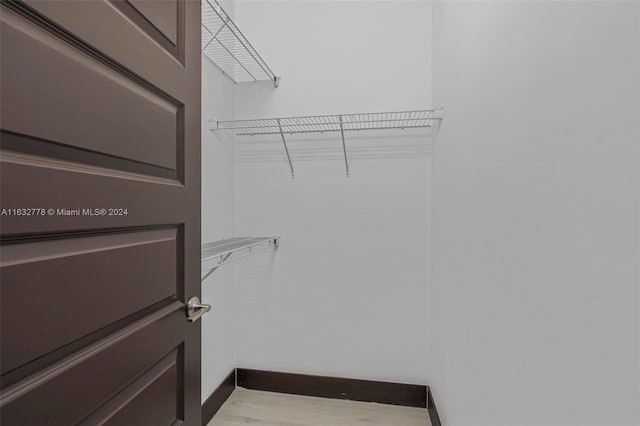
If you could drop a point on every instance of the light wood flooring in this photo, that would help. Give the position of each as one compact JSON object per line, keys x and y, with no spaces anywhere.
{"x":249,"y":407}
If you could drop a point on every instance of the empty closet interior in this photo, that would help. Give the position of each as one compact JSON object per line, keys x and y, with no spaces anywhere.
{"x":416,"y":192}
{"x":317,"y":133}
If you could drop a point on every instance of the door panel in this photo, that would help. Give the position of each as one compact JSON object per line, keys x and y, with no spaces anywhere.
{"x":100,"y":109}
{"x":158,"y":392}
{"x":112,"y":189}
{"x":86,"y":103}
{"x":70,"y":390}
{"x":49,"y":274}
{"x":160,"y":67}
{"x":162,"y":14}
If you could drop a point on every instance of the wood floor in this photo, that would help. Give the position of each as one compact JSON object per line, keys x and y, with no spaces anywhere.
{"x":277,"y":409}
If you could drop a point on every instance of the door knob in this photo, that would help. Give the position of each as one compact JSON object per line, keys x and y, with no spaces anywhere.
{"x":195,"y":309}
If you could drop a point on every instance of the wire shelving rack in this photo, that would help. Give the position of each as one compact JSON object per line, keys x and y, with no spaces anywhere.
{"x":229,"y":49}
{"x":222,"y":251}
{"x":342,"y":123}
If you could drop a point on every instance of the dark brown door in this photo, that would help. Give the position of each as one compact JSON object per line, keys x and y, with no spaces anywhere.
{"x":100,"y":199}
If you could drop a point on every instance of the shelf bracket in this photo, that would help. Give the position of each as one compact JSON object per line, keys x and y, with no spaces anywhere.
{"x":211,"y":271}
{"x":286,"y":150}
{"x":344,"y":147}
{"x":224,"y":249}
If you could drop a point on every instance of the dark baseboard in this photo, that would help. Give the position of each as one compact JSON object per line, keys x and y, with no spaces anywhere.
{"x":433,"y":411}
{"x":320,"y":386}
{"x":334,"y":387}
{"x":218,"y":397}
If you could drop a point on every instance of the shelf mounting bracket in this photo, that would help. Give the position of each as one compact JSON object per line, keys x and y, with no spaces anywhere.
{"x":286,"y":150}
{"x":223,"y":249}
{"x":344,"y":147}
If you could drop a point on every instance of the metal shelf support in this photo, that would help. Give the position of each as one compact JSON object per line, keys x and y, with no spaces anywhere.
{"x":286,"y":150}
{"x":344,"y":147}
{"x":225,"y":250}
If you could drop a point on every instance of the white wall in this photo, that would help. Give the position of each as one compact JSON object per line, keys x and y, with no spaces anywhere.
{"x":535,"y":213}
{"x":218,"y":331}
{"x":346,"y":294}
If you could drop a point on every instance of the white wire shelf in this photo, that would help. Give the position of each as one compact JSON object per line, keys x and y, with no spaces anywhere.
{"x":229,"y":49}
{"x":224,"y":250}
{"x":342,"y":123}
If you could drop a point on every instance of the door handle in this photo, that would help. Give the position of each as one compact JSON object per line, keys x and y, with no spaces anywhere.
{"x":195,"y":309}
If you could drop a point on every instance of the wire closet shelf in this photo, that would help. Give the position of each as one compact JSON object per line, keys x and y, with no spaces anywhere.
{"x":342,"y":123}
{"x":229,"y":49}
{"x":228,"y":251}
